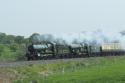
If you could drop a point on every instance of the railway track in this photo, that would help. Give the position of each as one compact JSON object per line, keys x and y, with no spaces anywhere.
{"x":38,"y":62}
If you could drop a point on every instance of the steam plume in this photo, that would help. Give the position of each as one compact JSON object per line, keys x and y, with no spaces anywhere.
{"x":93,"y":38}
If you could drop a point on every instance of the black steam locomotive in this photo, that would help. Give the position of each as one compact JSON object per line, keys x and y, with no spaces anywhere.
{"x":48,"y":50}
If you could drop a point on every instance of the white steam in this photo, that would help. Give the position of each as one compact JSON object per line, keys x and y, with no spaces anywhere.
{"x":95,"y":37}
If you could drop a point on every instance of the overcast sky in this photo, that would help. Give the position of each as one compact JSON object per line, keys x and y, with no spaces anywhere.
{"x":24,"y":17}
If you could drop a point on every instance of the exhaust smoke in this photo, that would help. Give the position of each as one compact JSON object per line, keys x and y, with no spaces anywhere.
{"x":97,"y":37}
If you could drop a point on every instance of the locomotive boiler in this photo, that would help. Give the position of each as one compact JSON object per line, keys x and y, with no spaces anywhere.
{"x":48,"y":50}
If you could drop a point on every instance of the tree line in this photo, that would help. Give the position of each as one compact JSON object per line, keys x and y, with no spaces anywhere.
{"x":13,"y":47}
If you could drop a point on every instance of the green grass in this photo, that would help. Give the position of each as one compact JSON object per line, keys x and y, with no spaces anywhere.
{"x":93,"y":70}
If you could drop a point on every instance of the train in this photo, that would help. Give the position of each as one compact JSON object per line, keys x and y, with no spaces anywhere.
{"x":48,"y":50}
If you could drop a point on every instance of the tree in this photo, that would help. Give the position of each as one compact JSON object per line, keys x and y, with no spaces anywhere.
{"x":2,"y":38}
{"x":19,"y":39}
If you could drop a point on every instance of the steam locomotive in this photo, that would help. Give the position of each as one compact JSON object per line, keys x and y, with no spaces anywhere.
{"x":48,"y":50}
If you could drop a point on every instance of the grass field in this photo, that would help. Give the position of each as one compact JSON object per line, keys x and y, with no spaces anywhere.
{"x":92,"y":70}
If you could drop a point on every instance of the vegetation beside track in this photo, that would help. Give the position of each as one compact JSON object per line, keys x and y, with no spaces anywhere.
{"x":90,"y":70}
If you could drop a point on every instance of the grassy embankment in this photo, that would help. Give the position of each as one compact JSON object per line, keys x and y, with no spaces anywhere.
{"x":93,"y":70}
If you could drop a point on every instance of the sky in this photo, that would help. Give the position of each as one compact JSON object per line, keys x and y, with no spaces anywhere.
{"x":24,"y":17}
